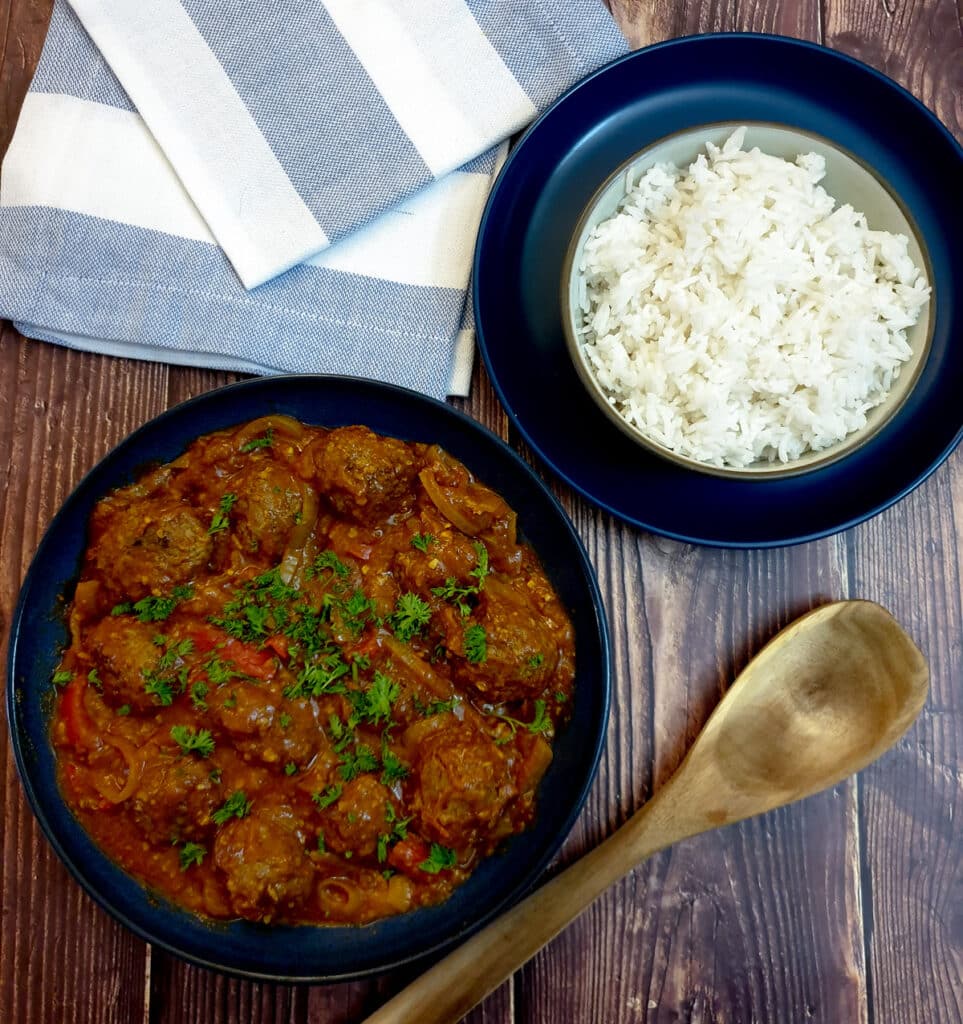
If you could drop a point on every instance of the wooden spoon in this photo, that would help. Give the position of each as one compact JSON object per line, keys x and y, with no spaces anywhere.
{"x":823,"y":699}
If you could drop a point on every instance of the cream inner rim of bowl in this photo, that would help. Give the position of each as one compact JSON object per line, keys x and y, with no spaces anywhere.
{"x":740,"y":312}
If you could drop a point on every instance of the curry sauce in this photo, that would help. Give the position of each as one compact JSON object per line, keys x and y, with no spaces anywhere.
{"x":314,"y":675}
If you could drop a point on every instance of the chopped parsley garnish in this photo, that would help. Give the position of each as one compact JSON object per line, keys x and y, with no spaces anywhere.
{"x":353,"y":763}
{"x":481,"y":569}
{"x":237,"y":805}
{"x":536,"y":661}
{"x":476,"y":644}
{"x":159,"y":688}
{"x":319,"y":678}
{"x":410,"y":616}
{"x":290,"y":768}
{"x":328,"y":797}
{"x":154,"y":609}
{"x":379,"y":697}
{"x":284,"y":720}
{"x":260,"y":442}
{"x":221,"y":670}
{"x":393,"y":768}
{"x":93,"y":677}
{"x":355,"y":611}
{"x":193,"y":741}
{"x":436,"y":707}
{"x":191,"y":854}
{"x":322,"y":846}
{"x":62,"y":678}
{"x":222,"y":517}
{"x":422,"y":540}
{"x":399,"y":830}
{"x":440,"y":859}
{"x":327,"y":561}
{"x":541,"y":723}
{"x":456,"y":594}
{"x":198,"y":692}
{"x":123,"y":710}
{"x":173,"y":652}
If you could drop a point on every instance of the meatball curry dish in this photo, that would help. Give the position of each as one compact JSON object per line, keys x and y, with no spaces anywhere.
{"x":313,"y":675}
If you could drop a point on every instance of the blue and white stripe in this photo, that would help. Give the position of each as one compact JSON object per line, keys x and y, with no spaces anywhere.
{"x":179,"y":174}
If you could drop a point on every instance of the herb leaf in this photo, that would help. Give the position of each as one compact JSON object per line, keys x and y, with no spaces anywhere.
{"x":456,"y":594}
{"x":193,"y":740}
{"x":481,"y":569}
{"x":476,"y":644}
{"x":237,"y":805}
{"x":440,"y":859}
{"x":410,"y":616}
{"x":260,"y":442}
{"x":191,"y":854}
{"x":328,"y":797}
{"x":222,"y":517}
{"x":422,"y":540}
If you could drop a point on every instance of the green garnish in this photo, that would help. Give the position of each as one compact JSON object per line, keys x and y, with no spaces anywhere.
{"x":222,"y":517}
{"x":154,"y":609}
{"x":237,"y":805}
{"x":541,"y":723}
{"x":456,"y":594}
{"x":327,"y":561}
{"x":290,"y":768}
{"x":410,"y":616}
{"x":353,"y":763}
{"x":193,"y":741}
{"x":198,"y":692}
{"x":436,"y":707}
{"x":284,"y":720}
{"x":191,"y":854}
{"x":328,"y":797}
{"x":159,"y":688}
{"x":322,"y":846}
{"x":123,"y":710}
{"x":393,"y":768}
{"x":440,"y":859}
{"x":476,"y":644}
{"x":481,"y":569}
{"x":93,"y":677}
{"x":422,"y":540}
{"x":536,"y":661}
{"x":62,"y":678}
{"x":260,"y":442}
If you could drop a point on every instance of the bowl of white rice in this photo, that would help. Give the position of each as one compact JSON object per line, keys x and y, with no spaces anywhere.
{"x":747,"y":299}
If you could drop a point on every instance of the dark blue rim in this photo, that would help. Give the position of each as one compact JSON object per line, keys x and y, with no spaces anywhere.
{"x":518,"y":154}
{"x":110,"y":900}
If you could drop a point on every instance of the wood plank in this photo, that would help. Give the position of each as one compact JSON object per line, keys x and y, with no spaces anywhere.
{"x":59,"y":950}
{"x":909,"y":559}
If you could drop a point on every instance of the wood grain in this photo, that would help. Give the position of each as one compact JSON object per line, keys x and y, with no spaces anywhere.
{"x":845,"y":908}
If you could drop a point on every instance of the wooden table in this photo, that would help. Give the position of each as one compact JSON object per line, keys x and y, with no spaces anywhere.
{"x":845,"y":908}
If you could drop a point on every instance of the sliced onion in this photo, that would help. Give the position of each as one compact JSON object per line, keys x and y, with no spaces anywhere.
{"x":293,"y":558}
{"x":287,"y":426}
{"x":448,"y":508}
{"x":135,"y":769}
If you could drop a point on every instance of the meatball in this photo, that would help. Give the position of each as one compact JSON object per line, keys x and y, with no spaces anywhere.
{"x":125,"y":653}
{"x":358,"y":817}
{"x":522,"y":640}
{"x":450,"y":555}
{"x":462,"y":783}
{"x":270,"y":501}
{"x":364,"y":476}
{"x":265,"y":860}
{"x":150,"y":547}
{"x":175,"y":798}
{"x":263,"y":728}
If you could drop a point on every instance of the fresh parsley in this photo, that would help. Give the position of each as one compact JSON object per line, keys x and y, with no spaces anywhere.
{"x":193,"y":741}
{"x":222,"y":517}
{"x":421,"y":541}
{"x":62,"y":678}
{"x":260,"y":442}
{"x":481,"y":569}
{"x":328,"y":797}
{"x":329,"y":562}
{"x":476,"y":644}
{"x":123,"y":710}
{"x":393,"y":768}
{"x":237,"y":805}
{"x":191,"y":854}
{"x":290,"y":768}
{"x":198,"y":692}
{"x":410,"y":616}
{"x":353,"y":763}
{"x":456,"y":594}
{"x":440,"y":859}
{"x":154,"y":609}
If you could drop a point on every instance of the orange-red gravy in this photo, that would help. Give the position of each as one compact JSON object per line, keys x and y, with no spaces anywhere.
{"x":313,"y":675}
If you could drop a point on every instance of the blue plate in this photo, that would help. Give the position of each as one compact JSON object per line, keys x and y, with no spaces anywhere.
{"x":305,"y":953}
{"x":552,"y":174}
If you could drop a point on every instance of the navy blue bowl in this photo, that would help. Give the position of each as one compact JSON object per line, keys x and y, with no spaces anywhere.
{"x":305,"y":953}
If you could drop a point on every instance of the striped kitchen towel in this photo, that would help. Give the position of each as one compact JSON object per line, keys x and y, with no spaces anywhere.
{"x":274,"y":185}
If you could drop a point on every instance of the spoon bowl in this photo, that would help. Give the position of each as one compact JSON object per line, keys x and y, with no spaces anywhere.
{"x":824,"y":698}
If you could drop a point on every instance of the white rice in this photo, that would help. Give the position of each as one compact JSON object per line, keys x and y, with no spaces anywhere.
{"x":733,"y":315}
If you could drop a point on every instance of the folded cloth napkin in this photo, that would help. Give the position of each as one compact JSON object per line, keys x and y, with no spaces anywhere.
{"x":274,"y":185}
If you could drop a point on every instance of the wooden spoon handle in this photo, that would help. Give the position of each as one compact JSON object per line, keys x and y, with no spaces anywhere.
{"x":447,"y":991}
